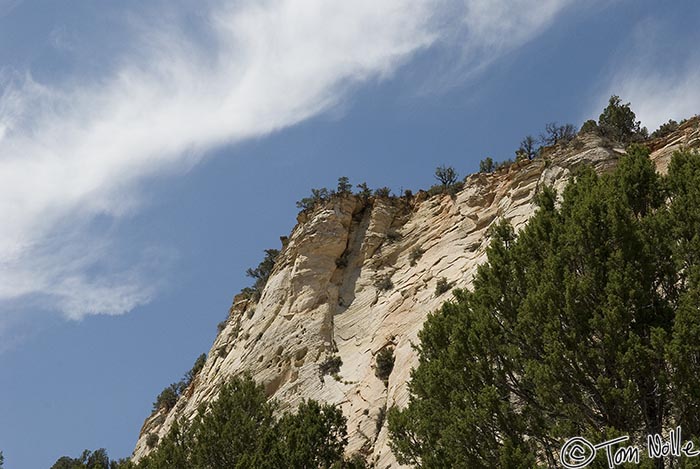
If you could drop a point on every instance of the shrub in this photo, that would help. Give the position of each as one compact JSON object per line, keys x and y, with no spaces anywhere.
{"x":446,"y":175}
{"x":528,"y":149}
{"x":344,"y":186}
{"x":331,"y":365}
{"x":415,"y":255}
{"x":383,"y":192}
{"x":554,"y":133}
{"x":590,"y":126}
{"x":221,"y":326}
{"x":364,"y":191}
{"x":318,"y":196}
{"x":261,"y":274}
{"x":486,"y":165}
{"x":381,"y":418}
{"x":167,"y":398}
{"x":342,"y":261}
{"x":665,"y":129}
{"x":152,"y":440}
{"x":392,"y":236}
{"x":194,"y":371}
{"x":384,"y":363}
{"x":618,"y":123}
{"x":442,"y":286}
{"x":384,"y":283}
{"x":503,"y":164}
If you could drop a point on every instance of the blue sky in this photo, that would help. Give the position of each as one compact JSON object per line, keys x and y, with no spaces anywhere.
{"x":150,"y":151}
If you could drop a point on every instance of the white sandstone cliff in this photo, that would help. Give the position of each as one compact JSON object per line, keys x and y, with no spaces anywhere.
{"x":321,"y":299}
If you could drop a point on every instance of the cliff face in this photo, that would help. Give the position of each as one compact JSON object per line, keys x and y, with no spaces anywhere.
{"x":330,"y":294}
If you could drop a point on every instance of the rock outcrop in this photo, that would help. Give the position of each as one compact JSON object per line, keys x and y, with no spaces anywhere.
{"x":358,"y":275}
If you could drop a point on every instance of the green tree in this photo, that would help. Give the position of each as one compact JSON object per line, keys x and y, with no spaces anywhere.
{"x":384,"y":364}
{"x":446,"y":175}
{"x":586,"y":324}
{"x":589,"y":126}
{"x":618,"y":122}
{"x":528,"y":149}
{"x":364,"y":191}
{"x":344,"y":186}
{"x":167,"y":398}
{"x":237,"y":428}
{"x":262,"y":272}
{"x":173,"y":451}
{"x":665,"y":129}
{"x":315,"y":436}
{"x":65,"y":462}
{"x":2,"y":460}
{"x":486,"y":165}
{"x":318,"y":196}
{"x":97,"y":459}
{"x":196,"y":368}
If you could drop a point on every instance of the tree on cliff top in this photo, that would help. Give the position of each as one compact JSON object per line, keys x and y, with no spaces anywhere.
{"x":618,"y":122}
{"x":584,"y":324}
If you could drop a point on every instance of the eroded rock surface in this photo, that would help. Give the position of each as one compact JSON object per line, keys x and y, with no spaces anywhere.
{"x":326,"y":296}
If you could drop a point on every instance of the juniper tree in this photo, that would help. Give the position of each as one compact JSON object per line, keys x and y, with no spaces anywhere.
{"x":584,"y":324}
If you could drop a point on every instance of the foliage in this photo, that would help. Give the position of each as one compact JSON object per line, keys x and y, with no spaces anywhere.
{"x":262,"y":272}
{"x":344,"y":187}
{"x":2,"y":460}
{"x":486,"y":165}
{"x":528,"y":149}
{"x":618,"y":122}
{"x":590,"y":126}
{"x":315,"y":436}
{"x":446,"y":175}
{"x":318,"y":196}
{"x":152,"y":440}
{"x":364,"y":191}
{"x":442,"y":286}
{"x":555,"y":133}
{"x":503,"y":164}
{"x":381,"y":418}
{"x":382,"y":192}
{"x":384,"y":363}
{"x":330,"y":365}
{"x":415,"y":255}
{"x":238,"y":430}
{"x":393,"y":235}
{"x":586,"y":324}
{"x":97,"y":459}
{"x":384,"y":283}
{"x":196,"y":368}
{"x":342,"y":261}
{"x":665,"y":129}
{"x":167,"y":398}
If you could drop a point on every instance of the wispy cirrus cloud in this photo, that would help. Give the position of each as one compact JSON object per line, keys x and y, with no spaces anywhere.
{"x":660,"y":86}
{"x":79,"y":150}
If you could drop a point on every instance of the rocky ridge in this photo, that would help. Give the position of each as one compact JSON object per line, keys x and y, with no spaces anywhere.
{"x":358,"y":275}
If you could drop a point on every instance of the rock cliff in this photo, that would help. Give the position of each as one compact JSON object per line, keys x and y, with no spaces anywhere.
{"x":358,"y":275}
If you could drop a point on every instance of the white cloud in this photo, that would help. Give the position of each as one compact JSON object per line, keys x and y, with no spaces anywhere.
{"x":72,"y":152}
{"x":660,"y":86}
{"x":658,"y":96}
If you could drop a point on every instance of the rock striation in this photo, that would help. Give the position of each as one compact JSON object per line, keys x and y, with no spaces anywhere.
{"x":358,"y":275}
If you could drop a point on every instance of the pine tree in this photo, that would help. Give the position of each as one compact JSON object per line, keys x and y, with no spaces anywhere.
{"x":584,"y":324}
